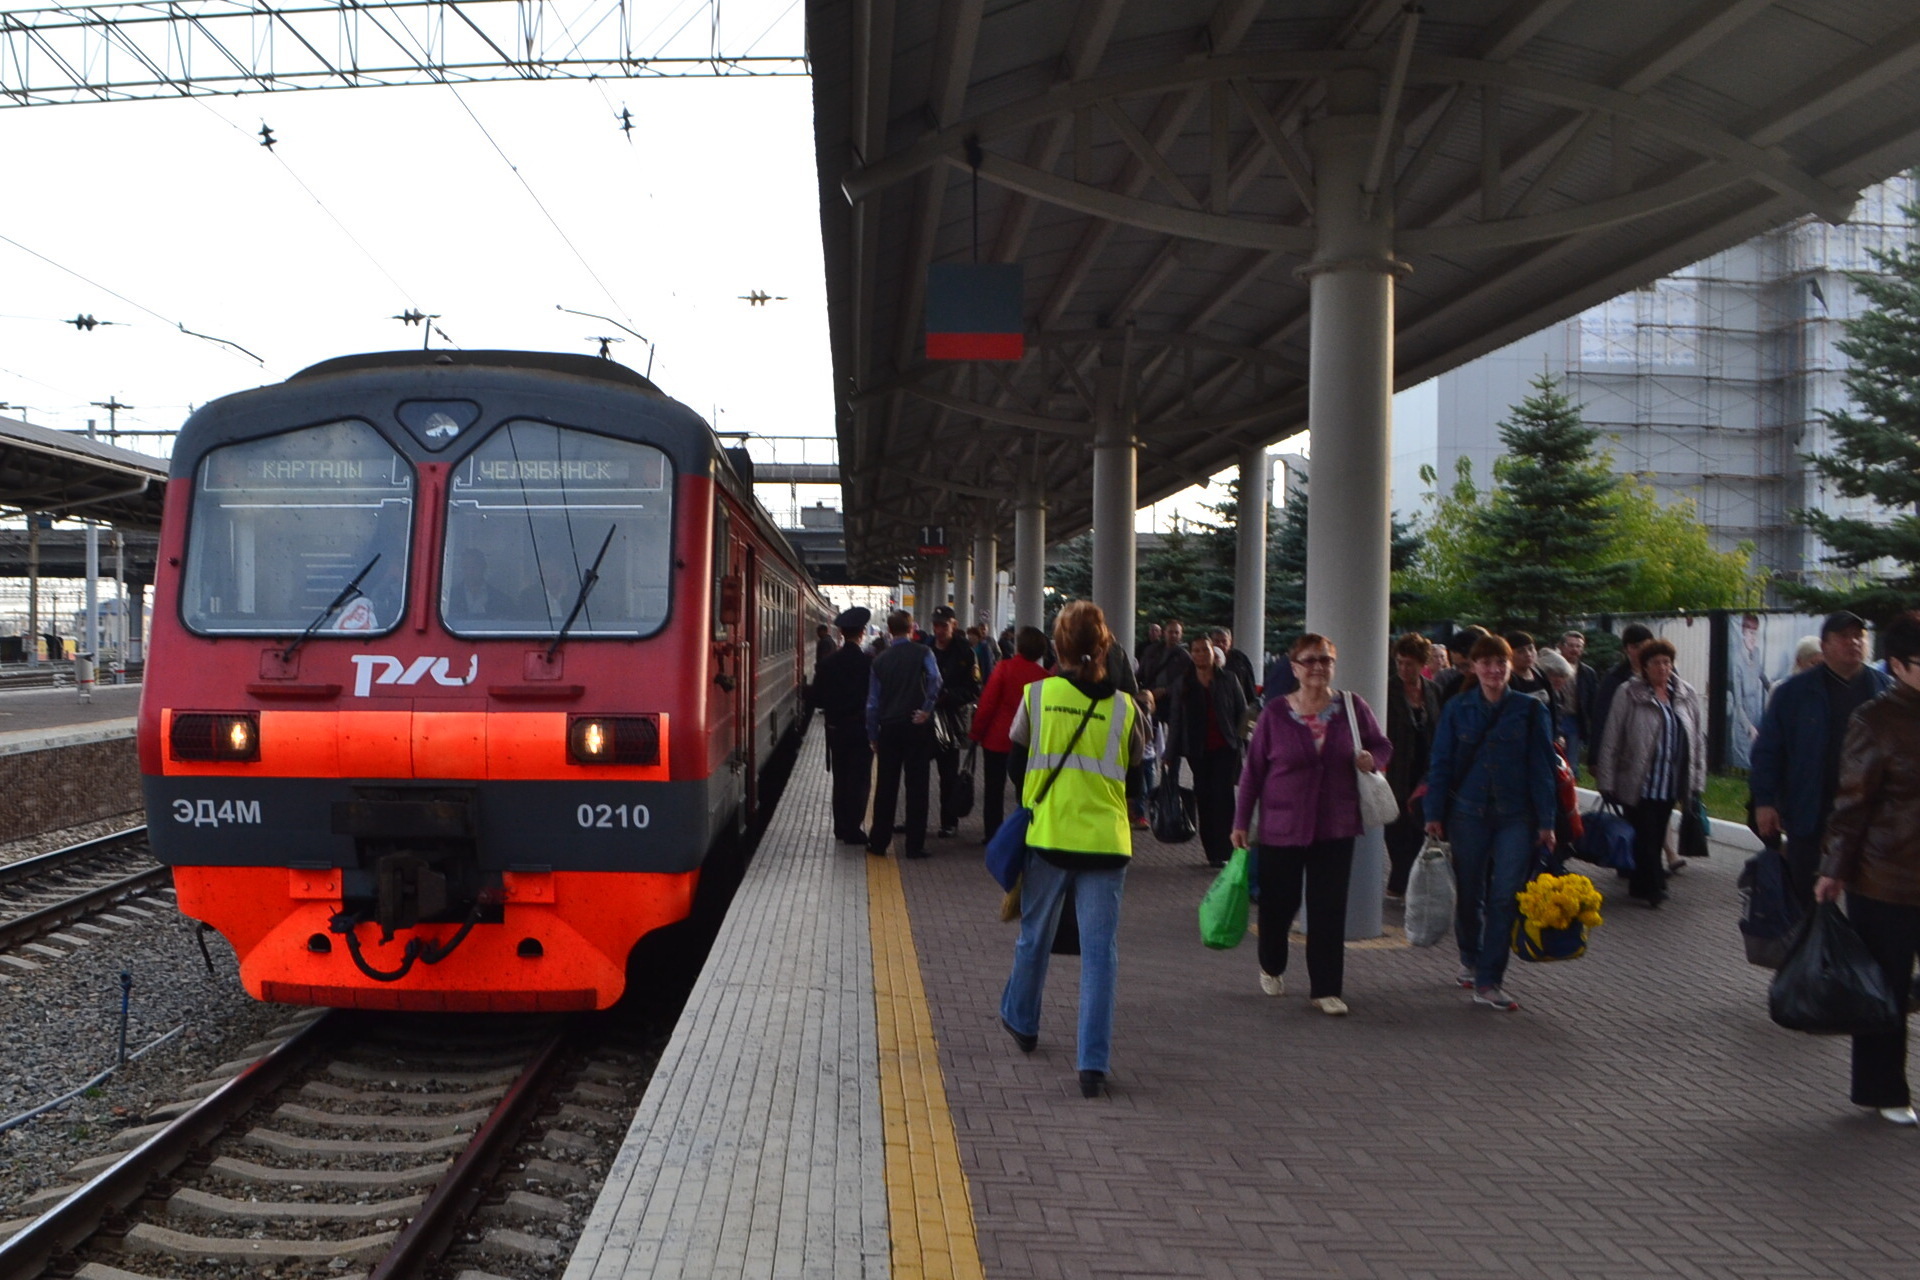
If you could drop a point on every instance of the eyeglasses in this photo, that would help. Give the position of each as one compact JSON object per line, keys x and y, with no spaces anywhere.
{"x":1320,"y":661}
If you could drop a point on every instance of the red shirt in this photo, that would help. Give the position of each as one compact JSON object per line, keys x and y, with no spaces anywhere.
{"x":993,"y":717}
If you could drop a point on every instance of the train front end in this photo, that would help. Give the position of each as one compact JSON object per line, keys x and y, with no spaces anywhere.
{"x":423,"y":717}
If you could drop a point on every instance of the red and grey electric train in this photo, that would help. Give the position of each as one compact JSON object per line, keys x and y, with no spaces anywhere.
{"x":464,"y":664}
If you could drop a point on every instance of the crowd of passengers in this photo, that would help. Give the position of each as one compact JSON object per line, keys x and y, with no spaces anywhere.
{"x":1479,"y":746}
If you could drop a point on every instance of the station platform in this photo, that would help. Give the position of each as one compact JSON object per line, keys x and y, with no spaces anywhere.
{"x":839,"y":1100}
{"x":29,"y":715}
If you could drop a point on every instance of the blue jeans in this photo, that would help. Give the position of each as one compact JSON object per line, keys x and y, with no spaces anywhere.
{"x":1096,"y":900}
{"x":1491,"y":859}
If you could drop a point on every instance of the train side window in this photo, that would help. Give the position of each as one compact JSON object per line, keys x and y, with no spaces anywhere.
{"x":529,"y":510}
{"x":280,"y":525}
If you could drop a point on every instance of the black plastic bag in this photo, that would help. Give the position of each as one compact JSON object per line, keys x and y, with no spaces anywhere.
{"x":1172,"y":813}
{"x":1769,"y":913}
{"x":1830,"y":984}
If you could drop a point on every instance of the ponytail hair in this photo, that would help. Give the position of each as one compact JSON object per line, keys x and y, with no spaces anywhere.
{"x":1081,"y":638}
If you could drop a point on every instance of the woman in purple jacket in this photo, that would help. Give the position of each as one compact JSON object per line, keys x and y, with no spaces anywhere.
{"x":1300,"y":768}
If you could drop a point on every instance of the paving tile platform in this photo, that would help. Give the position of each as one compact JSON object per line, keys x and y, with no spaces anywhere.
{"x":840,"y":1101}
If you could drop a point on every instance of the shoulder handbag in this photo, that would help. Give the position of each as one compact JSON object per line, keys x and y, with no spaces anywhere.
{"x":1007,"y":851}
{"x":963,"y":782}
{"x":1377,"y":805}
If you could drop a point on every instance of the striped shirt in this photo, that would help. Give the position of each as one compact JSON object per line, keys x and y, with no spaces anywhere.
{"x":1669,"y":753}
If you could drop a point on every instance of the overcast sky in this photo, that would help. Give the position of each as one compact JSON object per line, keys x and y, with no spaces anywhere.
{"x":377,"y":201}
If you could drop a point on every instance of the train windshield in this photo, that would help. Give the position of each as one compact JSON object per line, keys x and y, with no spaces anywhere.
{"x":281,"y":526}
{"x":530,"y":510}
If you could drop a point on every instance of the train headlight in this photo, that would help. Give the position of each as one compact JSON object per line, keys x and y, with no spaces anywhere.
{"x":613,"y":739}
{"x":231,"y":736}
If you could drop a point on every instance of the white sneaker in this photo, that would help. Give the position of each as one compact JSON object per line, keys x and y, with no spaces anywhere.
{"x":1274,"y":984}
{"x":1466,"y":978}
{"x":1332,"y":1006}
{"x":1495,"y":998}
{"x":1899,"y":1115}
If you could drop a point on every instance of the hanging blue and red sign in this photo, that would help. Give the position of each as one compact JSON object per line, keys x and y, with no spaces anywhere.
{"x":974,"y":311}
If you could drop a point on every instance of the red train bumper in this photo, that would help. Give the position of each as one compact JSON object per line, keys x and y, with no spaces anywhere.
{"x":584,"y":921}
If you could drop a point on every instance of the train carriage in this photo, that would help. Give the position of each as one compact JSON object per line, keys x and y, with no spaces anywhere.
{"x":463,"y":667}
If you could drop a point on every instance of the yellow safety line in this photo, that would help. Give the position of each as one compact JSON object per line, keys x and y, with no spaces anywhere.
{"x":928,"y":1206}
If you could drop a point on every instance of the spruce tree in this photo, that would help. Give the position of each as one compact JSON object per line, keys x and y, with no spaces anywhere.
{"x":1546,"y":545}
{"x":1287,"y":566}
{"x":1876,"y":449}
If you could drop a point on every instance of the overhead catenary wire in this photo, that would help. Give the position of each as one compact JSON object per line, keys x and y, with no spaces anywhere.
{"x":274,"y":151}
{"x":426,"y":60}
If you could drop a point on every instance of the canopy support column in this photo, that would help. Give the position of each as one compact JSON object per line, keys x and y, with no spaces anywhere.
{"x":1115,"y":499}
{"x":1350,"y":418}
{"x":1250,"y":559}
{"x":986,"y":553}
{"x":1030,"y":551}
{"x":962,"y":558}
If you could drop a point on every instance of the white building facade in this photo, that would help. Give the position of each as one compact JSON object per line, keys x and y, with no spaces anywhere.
{"x":1708,"y":383}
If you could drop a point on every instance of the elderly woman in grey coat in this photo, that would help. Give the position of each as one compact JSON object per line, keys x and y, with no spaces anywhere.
{"x":1652,"y":756}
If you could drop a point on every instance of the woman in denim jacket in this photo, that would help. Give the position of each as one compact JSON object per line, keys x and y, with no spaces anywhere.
{"x":1490,"y":790}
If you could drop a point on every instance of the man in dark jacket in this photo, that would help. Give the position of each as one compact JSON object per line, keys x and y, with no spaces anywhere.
{"x":1576,"y":704}
{"x":1796,"y":758}
{"x":840,"y":691}
{"x":1632,"y":641}
{"x":959,"y":690}
{"x":901,"y":692}
{"x":1234,"y":662}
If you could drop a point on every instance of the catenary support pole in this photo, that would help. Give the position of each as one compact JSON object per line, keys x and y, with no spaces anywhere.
{"x":986,"y":551}
{"x":1030,"y":553}
{"x":1250,"y":562}
{"x":1350,"y":417}
{"x":33,"y":589}
{"x":1115,"y":499}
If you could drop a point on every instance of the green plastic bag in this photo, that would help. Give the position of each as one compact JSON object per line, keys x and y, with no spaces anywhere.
{"x":1223,"y":912}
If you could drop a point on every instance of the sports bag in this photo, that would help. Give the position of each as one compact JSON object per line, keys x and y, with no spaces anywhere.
{"x":1830,"y":984}
{"x":1608,"y":841}
{"x":1769,"y":913}
{"x":1431,"y":894}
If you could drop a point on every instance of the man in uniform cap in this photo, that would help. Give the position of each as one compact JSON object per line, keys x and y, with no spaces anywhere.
{"x":1796,"y":757}
{"x":840,"y":691}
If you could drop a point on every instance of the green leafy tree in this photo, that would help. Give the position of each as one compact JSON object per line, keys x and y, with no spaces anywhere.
{"x":1549,"y":549}
{"x":1876,"y":449}
{"x":1439,"y":584}
{"x":1674,"y":564}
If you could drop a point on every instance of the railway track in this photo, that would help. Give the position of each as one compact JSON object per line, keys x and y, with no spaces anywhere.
{"x":363,"y":1145}
{"x":42,"y":896}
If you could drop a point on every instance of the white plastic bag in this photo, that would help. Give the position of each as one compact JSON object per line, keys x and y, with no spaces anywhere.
{"x":1431,"y":894}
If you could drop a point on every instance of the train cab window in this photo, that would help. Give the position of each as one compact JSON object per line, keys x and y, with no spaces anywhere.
{"x":280,"y":526}
{"x":528,"y":512}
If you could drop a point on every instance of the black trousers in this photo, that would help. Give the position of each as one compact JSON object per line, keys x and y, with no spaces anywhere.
{"x":1649,"y":819}
{"x":950,"y":787}
{"x":1405,"y":836}
{"x":993,"y":794}
{"x":1803,"y":868}
{"x":1324,"y":866}
{"x":1216,"y":774}
{"x":903,"y":752}
{"x":1892,"y":935}
{"x":850,"y":757}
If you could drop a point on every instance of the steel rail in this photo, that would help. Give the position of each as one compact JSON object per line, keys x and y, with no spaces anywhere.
{"x":34,"y":924}
{"x":65,"y":1226}
{"x":452,"y":1202}
{"x":41,"y":863}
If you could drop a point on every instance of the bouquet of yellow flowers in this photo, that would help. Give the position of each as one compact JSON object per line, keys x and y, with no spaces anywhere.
{"x":1555,"y":914}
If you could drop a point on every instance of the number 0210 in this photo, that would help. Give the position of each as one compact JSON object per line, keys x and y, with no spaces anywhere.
{"x":631,"y":816}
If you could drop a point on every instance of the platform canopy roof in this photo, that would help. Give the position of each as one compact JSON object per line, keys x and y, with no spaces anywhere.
{"x":60,"y":474}
{"x":1147,"y":161}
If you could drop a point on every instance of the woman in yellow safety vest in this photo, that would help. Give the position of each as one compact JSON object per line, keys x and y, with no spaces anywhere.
{"x":1085,"y":743}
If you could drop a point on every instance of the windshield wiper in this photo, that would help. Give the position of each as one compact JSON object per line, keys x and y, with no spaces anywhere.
{"x":347,"y":593}
{"x":586,"y":589}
